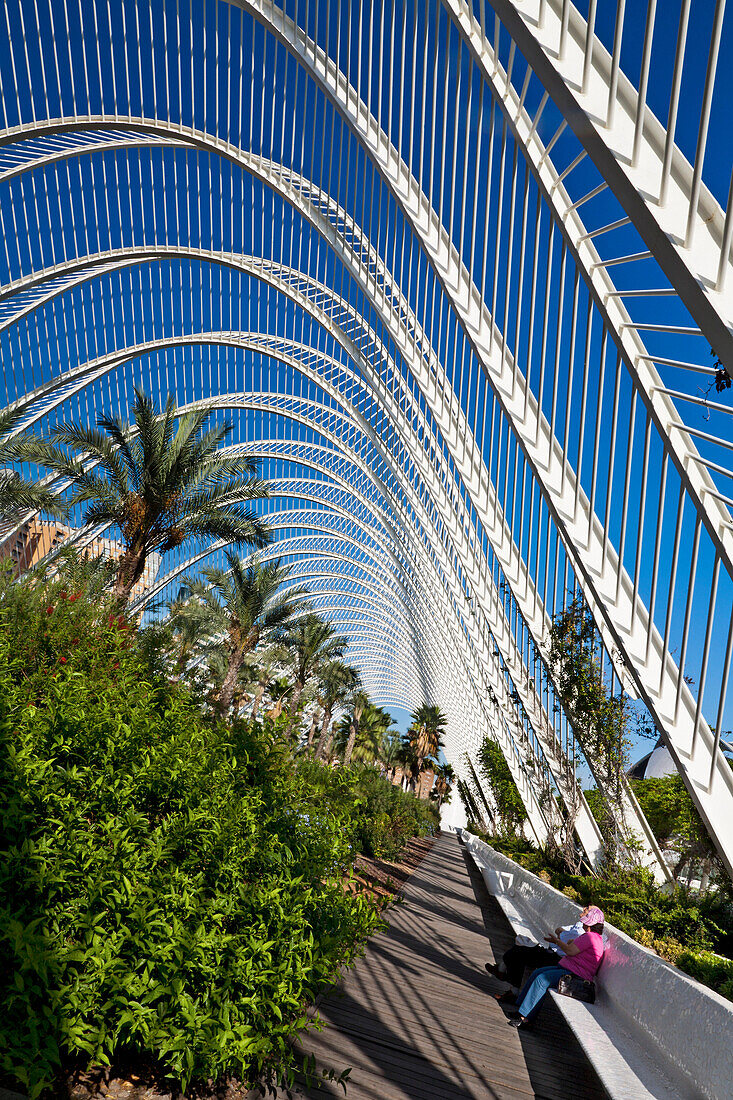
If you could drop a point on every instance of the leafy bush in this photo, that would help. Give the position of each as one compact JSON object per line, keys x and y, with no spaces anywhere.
{"x":377,"y":817}
{"x":162,"y":892}
{"x":496,"y":771}
{"x":710,"y":969}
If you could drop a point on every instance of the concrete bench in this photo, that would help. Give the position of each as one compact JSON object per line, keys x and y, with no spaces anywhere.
{"x":500,"y":885}
{"x":654,"y":1033}
{"x":625,"y":1068}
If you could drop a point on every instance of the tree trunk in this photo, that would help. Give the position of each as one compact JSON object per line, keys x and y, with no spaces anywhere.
{"x":226,"y":691}
{"x":258,"y":696}
{"x":679,"y":866}
{"x":298,"y":689}
{"x":312,"y":730}
{"x":129,"y":571}
{"x":240,"y":699}
{"x":353,"y":734}
{"x":416,"y":780}
{"x":321,"y":746}
{"x":705,"y":876}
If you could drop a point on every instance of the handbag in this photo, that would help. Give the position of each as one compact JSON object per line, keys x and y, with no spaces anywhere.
{"x":580,"y":989}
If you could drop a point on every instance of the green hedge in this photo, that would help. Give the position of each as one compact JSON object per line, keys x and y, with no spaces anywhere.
{"x":164,"y":891}
{"x":710,"y":969}
{"x":376,"y":817}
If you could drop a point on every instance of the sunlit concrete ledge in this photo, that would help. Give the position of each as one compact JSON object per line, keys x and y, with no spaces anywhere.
{"x":681,"y":1026}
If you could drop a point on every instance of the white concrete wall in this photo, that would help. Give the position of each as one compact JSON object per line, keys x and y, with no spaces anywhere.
{"x":670,"y":1013}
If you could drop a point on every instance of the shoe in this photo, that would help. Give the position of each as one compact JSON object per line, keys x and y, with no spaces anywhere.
{"x":507,"y":998}
{"x":493,"y":969}
{"x":519,"y":1022}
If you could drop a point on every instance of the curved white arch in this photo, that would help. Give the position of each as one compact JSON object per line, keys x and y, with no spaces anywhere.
{"x":613,"y":596}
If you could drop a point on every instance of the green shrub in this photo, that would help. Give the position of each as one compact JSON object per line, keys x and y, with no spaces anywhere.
{"x":163,"y":889}
{"x":507,"y":798}
{"x":377,"y":817}
{"x":710,"y":969}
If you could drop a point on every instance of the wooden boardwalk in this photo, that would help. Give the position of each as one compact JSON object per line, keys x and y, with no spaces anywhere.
{"x":415,"y":1019}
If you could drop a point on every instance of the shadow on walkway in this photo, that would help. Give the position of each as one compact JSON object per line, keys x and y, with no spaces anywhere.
{"x":415,"y":1020}
{"x":551,"y":1048}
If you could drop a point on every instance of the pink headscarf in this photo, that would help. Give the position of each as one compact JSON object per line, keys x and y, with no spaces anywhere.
{"x":593,"y":916}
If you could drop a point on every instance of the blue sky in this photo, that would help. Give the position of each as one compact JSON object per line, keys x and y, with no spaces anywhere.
{"x":188,"y":197}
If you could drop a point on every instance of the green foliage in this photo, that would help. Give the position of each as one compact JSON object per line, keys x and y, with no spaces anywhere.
{"x":247,"y":607}
{"x":425,"y":732}
{"x":164,"y":889}
{"x":17,"y":495}
{"x":496,"y":771}
{"x":312,"y":643}
{"x":444,"y":776}
{"x":376,"y":817}
{"x":162,"y":481}
{"x":468,"y":802}
{"x":710,"y":969}
{"x":338,"y":685}
{"x":374,"y":739}
{"x":676,"y":823}
{"x":598,"y":718}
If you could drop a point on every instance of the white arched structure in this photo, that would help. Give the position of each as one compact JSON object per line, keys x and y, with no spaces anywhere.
{"x":454,"y":272}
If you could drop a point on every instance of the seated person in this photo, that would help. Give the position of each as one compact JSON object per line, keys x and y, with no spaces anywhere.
{"x":520,"y":957}
{"x":582,"y":957}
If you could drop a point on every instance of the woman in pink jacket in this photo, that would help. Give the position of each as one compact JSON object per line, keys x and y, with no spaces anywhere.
{"x":582,"y":957}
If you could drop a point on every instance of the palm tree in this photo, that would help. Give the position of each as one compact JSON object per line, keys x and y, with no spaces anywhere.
{"x":160,"y":484}
{"x":359,"y":704}
{"x":391,"y":751}
{"x":337,"y":683}
{"x":190,"y":619}
{"x":372,"y":742}
{"x":428,"y":722}
{"x":81,"y":573}
{"x":18,"y":496}
{"x":313,"y":642}
{"x":444,"y":776}
{"x":250,"y":608}
{"x":279,"y":690}
{"x":408,"y":761}
{"x":315,"y":713}
{"x":269,"y":661}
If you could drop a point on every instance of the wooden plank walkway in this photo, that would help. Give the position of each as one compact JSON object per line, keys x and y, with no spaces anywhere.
{"x":415,"y":1019}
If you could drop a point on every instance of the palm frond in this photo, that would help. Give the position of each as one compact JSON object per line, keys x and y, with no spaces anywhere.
{"x":150,"y":457}
{"x":102,"y":511}
{"x":219,"y":581}
{"x":13,"y":449}
{"x":18,"y":496}
{"x":89,"y":486}
{"x":9,"y":418}
{"x":239,"y":529}
{"x":94,"y":444}
{"x":225,"y":497}
{"x":120,"y":434}
{"x":230,"y":467}
{"x":54,"y":458}
{"x":182,"y":469}
{"x":191,"y":450}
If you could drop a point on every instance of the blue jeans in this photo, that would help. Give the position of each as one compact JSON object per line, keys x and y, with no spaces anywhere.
{"x":530,"y":996}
